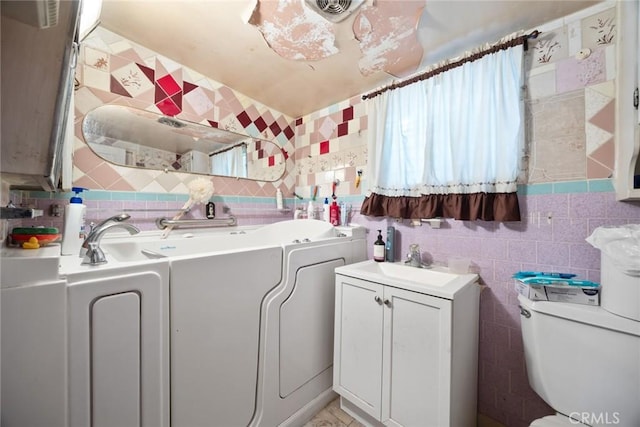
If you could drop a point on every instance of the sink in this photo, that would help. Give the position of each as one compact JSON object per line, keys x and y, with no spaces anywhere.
{"x":420,"y":275}
{"x":437,"y":280}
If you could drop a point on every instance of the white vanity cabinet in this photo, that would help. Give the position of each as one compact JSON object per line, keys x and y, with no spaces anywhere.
{"x":405,"y":358}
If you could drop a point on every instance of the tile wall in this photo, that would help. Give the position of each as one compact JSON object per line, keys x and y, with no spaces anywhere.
{"x":114,"y":70}
{"x":569,"y":105}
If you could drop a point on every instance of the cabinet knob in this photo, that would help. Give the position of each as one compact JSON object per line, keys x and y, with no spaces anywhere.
{"x":387,"y":302}
{"x":377,"y":299}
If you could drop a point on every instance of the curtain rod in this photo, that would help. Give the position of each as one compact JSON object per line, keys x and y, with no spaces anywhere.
{"x":222,"y":150}
{"x":521,"y":40}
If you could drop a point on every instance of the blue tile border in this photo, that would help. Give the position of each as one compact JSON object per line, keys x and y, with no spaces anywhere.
{"x":565,"y":187}
{"x":601,"y":186}
{"x":570,"y":187}
{"x":535,"y":189}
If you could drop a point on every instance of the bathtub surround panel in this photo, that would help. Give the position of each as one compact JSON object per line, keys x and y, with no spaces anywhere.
{"x":118,"y":362}
{"x":306,"y":327}
{"x":33,"y":318}
{"x":215,"y":312}
{"x":296,"y":371}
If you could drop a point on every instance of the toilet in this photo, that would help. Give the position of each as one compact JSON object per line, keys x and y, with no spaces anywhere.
{"x":584,"y":362}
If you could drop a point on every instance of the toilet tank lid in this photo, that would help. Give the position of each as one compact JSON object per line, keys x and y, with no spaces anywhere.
{"x":596,"y":316}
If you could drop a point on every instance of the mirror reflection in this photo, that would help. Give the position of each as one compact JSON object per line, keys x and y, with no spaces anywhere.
{"x":128,"y":136}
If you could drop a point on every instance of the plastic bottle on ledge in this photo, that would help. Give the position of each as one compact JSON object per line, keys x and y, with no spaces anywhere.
{"x":279,"y":203}
{"x":311,"y":210}
{"x":334,"y":213}
{"x":379,"y":248}
{"x":343,"y":213}
{"x":325,"y":213}
{"x":74,"y":227}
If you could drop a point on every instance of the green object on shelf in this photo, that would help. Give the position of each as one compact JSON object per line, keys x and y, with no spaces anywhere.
{"x":35,"y":230}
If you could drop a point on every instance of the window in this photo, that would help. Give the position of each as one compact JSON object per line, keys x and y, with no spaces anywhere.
{"x":450,"y":145}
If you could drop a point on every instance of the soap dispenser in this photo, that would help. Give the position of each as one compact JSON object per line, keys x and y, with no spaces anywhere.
{"x":378,"y":248}
{"x":74,"y":227}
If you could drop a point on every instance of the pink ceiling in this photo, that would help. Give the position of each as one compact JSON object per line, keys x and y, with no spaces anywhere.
{"x":386,"y":33}
{"x":388,"y":37}
{"x":293,"y":31}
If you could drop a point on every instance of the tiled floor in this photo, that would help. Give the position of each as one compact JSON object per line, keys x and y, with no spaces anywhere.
{"x":332,"y":416}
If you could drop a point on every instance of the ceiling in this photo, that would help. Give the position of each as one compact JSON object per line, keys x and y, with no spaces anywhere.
{"x":227,"y":41}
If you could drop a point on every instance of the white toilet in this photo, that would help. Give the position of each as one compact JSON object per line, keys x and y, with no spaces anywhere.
{"x":584,"y":362}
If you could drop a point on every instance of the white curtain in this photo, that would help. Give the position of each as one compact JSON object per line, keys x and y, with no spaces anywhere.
{"x":231,"y":162}
{"x":459,"y":132}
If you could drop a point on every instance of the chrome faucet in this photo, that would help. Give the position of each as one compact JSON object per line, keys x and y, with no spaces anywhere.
{"x":94,"y":254}
{"x":116,"y":218}
{"x":96,"y":228}
{"x":414,"y":257}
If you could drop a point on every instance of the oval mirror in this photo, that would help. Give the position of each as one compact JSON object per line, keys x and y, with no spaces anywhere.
{"x":128,"y":136}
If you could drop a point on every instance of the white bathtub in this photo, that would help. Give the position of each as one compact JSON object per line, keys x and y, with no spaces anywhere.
{"x":251,"y":318}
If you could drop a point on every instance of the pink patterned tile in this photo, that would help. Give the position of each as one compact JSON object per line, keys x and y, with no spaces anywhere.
{"x":343,"y":129}
{"x":605,"y":154}
{"x":324,"y":147}
{"x":86,"y":182}
{"x":120,"y":185}
{"x":86,"y":160}
{"x":596,"y":170}
{"x":605,"y":118}
{"x":169,"y":107}
{"x":105,"y":175}
{"x":572,"y":74}
{"x":131,"y":55}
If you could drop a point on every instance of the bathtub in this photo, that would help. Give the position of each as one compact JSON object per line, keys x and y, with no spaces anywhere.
{"x":250,"y":318}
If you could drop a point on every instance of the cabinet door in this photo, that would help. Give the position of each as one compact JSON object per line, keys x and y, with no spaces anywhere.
{"x":417,"y":354}
{"x":358,"y":343}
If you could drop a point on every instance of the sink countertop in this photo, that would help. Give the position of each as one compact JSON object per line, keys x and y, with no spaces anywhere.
{"x":436,"y":280}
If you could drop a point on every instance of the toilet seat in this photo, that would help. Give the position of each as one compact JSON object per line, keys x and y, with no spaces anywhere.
{"x":555,"y":421}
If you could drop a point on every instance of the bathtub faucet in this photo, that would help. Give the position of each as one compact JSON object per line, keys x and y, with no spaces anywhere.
{"x":94,"y":254}
{"x":94,"y":228}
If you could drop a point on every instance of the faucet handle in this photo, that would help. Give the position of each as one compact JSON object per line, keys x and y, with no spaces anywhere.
{"x":94,"y":255}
